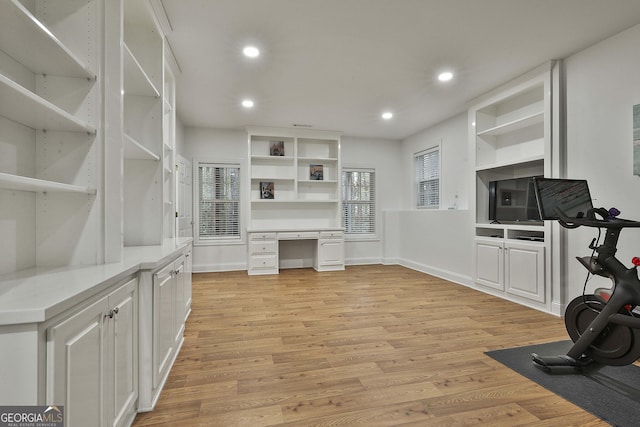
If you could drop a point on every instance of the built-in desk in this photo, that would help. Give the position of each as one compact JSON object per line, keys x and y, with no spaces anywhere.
{"x":263,"y":248}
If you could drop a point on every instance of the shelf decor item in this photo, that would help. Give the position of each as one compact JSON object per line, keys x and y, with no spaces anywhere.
{"x":267,"y":190}
{"x":316,"y":172}
{"x":276,"y":148}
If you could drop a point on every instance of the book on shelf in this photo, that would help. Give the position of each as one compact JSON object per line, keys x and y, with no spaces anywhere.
{"x":316,"y":172}
{"x":276,"y":148}
{"x":267,"y":190}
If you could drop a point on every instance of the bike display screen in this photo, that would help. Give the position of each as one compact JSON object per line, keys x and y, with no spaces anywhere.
{"x":571,"y":196}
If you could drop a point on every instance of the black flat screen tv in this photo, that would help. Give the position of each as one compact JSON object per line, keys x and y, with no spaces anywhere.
{"x":513,"y":200}
{"x":571,"y":196}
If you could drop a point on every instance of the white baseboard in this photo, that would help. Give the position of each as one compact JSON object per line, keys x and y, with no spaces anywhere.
{"x":443,"y":274}
{"x":217,"y":268}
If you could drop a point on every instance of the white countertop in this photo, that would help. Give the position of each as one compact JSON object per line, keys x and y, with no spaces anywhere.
{"x":37,"y":294}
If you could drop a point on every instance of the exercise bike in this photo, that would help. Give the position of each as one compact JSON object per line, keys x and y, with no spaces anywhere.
{"x":603,"y":326}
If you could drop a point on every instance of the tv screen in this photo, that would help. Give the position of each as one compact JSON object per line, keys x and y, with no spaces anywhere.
{"x":513,"y":200}
{"x":570,"y":195}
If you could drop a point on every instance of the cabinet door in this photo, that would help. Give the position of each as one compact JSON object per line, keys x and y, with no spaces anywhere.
{"x":330,"y":254}
{"x":75,"y":366}
{"x":164,"y":300}
{"x":525,"y":271}
{"x":180,"y":278}
{"x":489,"y":263}
{"x":123,"y":352}
{"x":188,"y":269}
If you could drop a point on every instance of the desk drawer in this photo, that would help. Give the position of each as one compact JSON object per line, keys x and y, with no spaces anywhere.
{"x":258,"y":262}
{"x":262,"y":236}
{"x":263,"y":247}
{"x":332,"y":235}
{"x":298,"y":235}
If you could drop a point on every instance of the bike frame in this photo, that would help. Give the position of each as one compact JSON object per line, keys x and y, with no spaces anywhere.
{"x":626,"y":284}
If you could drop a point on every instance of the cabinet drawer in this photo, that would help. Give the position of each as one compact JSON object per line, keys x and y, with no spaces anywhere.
{"x":263,"y":247}
{"x":262,"y":236}
{"x":298,"y":235}
{"x":332,"y":235}
{"x":263,"y":262}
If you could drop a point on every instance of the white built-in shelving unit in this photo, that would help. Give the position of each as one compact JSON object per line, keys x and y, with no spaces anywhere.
{"x":299,"y":201}
{"x":305,"y":205}
{"x":511,"y":136}
{"x":87,"y":129}
{"x":49,"y":99}
{"x":143,"y":100}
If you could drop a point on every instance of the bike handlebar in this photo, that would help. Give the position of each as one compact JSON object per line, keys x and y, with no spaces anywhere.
{"x":591,"y":221}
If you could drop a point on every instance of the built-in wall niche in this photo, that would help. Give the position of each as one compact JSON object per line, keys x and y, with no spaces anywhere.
{"x":484,"y":177}
{"x":512,"y":129}
{"x":293,"y":215}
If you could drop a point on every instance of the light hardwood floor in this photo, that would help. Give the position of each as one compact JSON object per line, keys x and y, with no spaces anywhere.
{"x":370,"y":346}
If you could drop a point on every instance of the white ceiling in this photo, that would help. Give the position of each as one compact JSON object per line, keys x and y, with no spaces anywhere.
{"x":338,"y":64}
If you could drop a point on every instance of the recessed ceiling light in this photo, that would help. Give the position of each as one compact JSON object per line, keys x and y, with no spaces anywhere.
{"x":387,"y":115}
{"x":247,"y":103}
{"x":445,"y":76}
{"x":251,"y":51}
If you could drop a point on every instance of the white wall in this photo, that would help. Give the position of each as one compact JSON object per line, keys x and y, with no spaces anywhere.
{"x":438,"y":242}
{"x":602,"y":85}
{"x":217,"y":145}
{"x":384,"y":157}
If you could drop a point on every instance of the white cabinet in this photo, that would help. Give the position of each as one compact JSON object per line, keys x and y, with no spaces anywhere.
{"x":489,"y":263}
{"x":294,"y":179}
{"x":263,"y":253}
{"x":164,"y":300}
{"x":92,"y":361}
{"x":164,"y":312}
{"x":511,"y":268}
{"x":524,"y":270}
{"x":330,"y":251}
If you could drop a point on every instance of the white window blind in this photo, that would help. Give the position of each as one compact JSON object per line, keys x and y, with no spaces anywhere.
{"x":218,"y":201}
{"x":428,"y":178}
{"x":358,"y":201}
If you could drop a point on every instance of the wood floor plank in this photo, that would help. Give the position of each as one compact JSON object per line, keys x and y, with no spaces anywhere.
{"x":373,"y":346}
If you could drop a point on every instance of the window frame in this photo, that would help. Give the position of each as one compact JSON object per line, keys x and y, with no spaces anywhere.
{"x":373,"y":203}
{"x":222,"y":239}
{"x":420,"y":176}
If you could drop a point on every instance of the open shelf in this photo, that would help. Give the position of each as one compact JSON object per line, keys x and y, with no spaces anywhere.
{"x":46,"y":54}
{"x":135,"y":150}
{"x":23,"y":183}
{"x":25,"y":107}
{"x":511,"y":163}
{"x":136,"y":81}
{"x":291,"y":201}
{"x":514,"y":125}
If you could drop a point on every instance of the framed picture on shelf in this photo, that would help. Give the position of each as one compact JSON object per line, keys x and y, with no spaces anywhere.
{"x":316,"y":172}
{"x":276,"y":148}
{"x":267,"y":190}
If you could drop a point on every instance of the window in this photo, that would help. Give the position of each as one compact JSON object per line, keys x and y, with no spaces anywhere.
{"x":428,"y":178}
{"x":218,"y":201}
{"x":358,"y":201}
